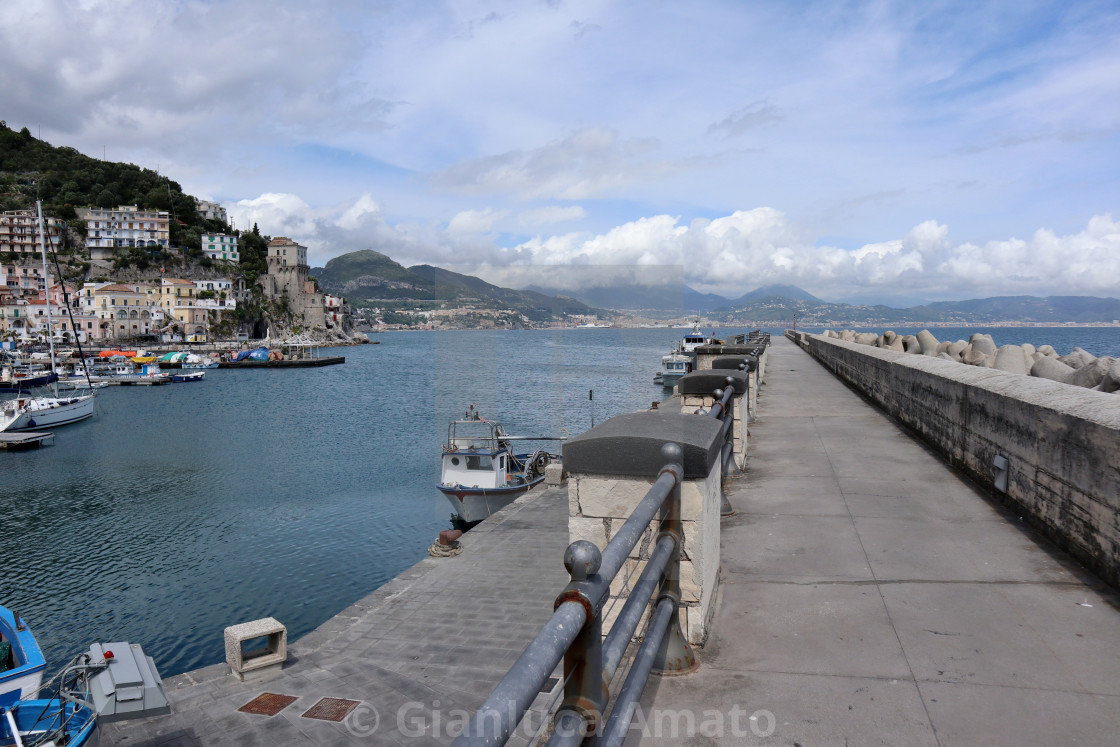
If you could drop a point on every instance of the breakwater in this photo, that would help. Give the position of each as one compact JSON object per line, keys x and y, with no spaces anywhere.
{"x":1051,"y":449}
{"x":1078,"y":367}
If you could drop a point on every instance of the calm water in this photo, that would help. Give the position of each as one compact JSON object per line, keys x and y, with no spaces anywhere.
{"x":179,"y":510}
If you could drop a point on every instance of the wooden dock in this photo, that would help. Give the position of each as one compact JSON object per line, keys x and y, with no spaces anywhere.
{"x":25,"y":440}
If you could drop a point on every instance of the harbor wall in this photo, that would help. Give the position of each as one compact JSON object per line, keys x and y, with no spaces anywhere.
{"x":1061,"y":443}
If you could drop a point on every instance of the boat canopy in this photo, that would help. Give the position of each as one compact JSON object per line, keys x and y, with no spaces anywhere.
{"x":172,"y":357}
{"x":117,"y":354}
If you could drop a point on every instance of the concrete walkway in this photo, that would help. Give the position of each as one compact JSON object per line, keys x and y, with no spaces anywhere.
{"x":419,"y":655}
{"x":871,"y":596}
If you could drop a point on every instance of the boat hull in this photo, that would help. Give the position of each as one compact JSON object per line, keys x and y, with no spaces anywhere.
{"x":46,"y":412}
{"x":24,"y":679}
{"x":475,"y":504}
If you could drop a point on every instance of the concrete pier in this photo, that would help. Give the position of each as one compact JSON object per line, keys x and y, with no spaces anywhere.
{"x":869,"y":595}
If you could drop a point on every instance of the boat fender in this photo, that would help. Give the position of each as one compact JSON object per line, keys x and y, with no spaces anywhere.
{"x":31,"y":423}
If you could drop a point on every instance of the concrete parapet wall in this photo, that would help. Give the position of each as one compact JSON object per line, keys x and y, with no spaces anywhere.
{"x":598,"y":506}
{"x":1062,"y":442}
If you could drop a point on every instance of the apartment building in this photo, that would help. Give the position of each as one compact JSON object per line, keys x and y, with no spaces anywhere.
{"x":19,"y":232}
{"x":111,"y":229}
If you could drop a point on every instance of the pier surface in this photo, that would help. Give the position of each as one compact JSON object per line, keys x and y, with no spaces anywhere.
{"x":869,"y":595}
{"x":419,"y":653}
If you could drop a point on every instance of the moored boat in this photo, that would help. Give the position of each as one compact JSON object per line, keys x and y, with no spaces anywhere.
{"x":112,"y":681}
{"x":26,"y":413}
{"x":673,"y":366}
{"x":182,"y":376}
{"x":480,"y":473}
{"x":21,"y":661}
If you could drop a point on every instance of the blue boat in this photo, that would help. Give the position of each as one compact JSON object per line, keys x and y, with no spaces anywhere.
{"x":21,"y":662}
{"x":480,"y":473}
{"x":110,"y":682}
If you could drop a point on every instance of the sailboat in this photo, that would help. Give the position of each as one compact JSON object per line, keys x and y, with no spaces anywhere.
{"x":25,"y":412}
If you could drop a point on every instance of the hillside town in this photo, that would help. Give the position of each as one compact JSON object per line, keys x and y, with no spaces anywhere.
{"x":100,"y":309}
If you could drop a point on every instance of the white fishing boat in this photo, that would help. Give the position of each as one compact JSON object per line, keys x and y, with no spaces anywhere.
{"x":480,"y":473}
{"x":673,"y":366}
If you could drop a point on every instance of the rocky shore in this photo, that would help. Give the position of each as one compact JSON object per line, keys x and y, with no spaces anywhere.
{"x":1076,"y":368}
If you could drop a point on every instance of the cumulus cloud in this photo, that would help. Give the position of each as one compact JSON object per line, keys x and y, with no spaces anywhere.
{"x":730,"y":255}
{"x":736,"y":253}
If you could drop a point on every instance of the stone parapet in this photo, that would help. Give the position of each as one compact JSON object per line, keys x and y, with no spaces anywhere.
{"x":696,"y":392}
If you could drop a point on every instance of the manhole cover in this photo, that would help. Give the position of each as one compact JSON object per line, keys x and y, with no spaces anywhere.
{"x":331,"y":709}
{"x":268,"y":704}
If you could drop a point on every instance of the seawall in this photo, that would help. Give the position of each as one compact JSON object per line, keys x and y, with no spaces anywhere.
{"x":1061,"y":442}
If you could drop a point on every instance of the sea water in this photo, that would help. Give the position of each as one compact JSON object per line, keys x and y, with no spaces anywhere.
{"x":179,"y":510}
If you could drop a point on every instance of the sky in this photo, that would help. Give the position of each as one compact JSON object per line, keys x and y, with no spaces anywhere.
{"x":875,"y":151}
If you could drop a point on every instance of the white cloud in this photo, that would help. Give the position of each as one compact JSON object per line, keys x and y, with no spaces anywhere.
{"x":590,"y":163}
{"x":551,"y":215}
{"x":474,"y":221}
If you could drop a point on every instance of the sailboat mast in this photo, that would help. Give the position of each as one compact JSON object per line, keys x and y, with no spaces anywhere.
{"x":46,"y":281}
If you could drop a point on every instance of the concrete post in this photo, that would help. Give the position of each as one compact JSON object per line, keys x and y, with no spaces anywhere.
{"x":611,"y":468}
{"x":696,"y":392}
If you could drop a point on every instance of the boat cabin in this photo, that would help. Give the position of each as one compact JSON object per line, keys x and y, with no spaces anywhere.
{"x":476,"y":455}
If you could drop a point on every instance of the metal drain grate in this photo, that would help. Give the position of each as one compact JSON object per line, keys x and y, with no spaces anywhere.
{"x":331,"y":709}
{"x":268,"y":704}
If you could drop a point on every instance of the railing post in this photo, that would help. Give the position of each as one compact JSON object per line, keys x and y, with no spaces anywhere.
{"x":585,"y":693}
{"x":675,"y":655}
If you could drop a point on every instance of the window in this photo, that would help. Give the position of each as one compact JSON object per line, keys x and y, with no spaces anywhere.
{"x":479,"y":462}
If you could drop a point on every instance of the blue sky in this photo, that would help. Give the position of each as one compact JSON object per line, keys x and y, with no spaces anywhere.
{"x":890,"y":151}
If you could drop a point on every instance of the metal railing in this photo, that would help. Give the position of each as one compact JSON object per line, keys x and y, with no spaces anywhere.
{"x":574,"y":632}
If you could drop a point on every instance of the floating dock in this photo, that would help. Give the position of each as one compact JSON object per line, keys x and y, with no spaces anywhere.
{"x":25,"y":440}
{"x":298,"y":363}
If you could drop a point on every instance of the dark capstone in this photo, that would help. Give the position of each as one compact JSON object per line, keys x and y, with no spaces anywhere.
{"x":631,"y":445}
{"x":733,"y":362}
{"x":748,"y":349}
{"x":710,"y":379}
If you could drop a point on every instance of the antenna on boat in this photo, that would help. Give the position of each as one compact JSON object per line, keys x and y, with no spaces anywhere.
{"x":591,"y":399}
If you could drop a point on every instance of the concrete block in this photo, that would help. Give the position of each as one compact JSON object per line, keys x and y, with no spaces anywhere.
{"x":272,"y":657}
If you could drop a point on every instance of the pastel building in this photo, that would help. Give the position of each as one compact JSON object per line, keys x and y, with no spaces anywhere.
{"x":220,"y":247}
{"x":116,"y":311}
{"x":111,"y":229}
{"x":19,"y":232}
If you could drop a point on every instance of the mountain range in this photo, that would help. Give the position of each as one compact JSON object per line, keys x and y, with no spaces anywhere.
{"x":369,"y":278}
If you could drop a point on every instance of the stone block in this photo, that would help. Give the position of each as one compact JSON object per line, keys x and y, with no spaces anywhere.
{"x":273,"y":656}
{"x":554,"y":474}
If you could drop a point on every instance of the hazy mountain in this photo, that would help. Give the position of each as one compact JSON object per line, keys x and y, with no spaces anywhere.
{"x":369,"y":278}
{"x":536,"y":306}
{"x":791,"y":292}
{"x":675,"y":298}
{"x":1033,"y":308}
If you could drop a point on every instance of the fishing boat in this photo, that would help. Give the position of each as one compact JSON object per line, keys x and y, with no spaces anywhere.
{"x":695,"y":339}
{"x":673,"y":366}
{"x":183,"y":376}
{"x":21,"y":662}
{"x":480,"y":473}
{"x":110,"y":682}
{"x":26,"y":412}
{"x":124,"y":373}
